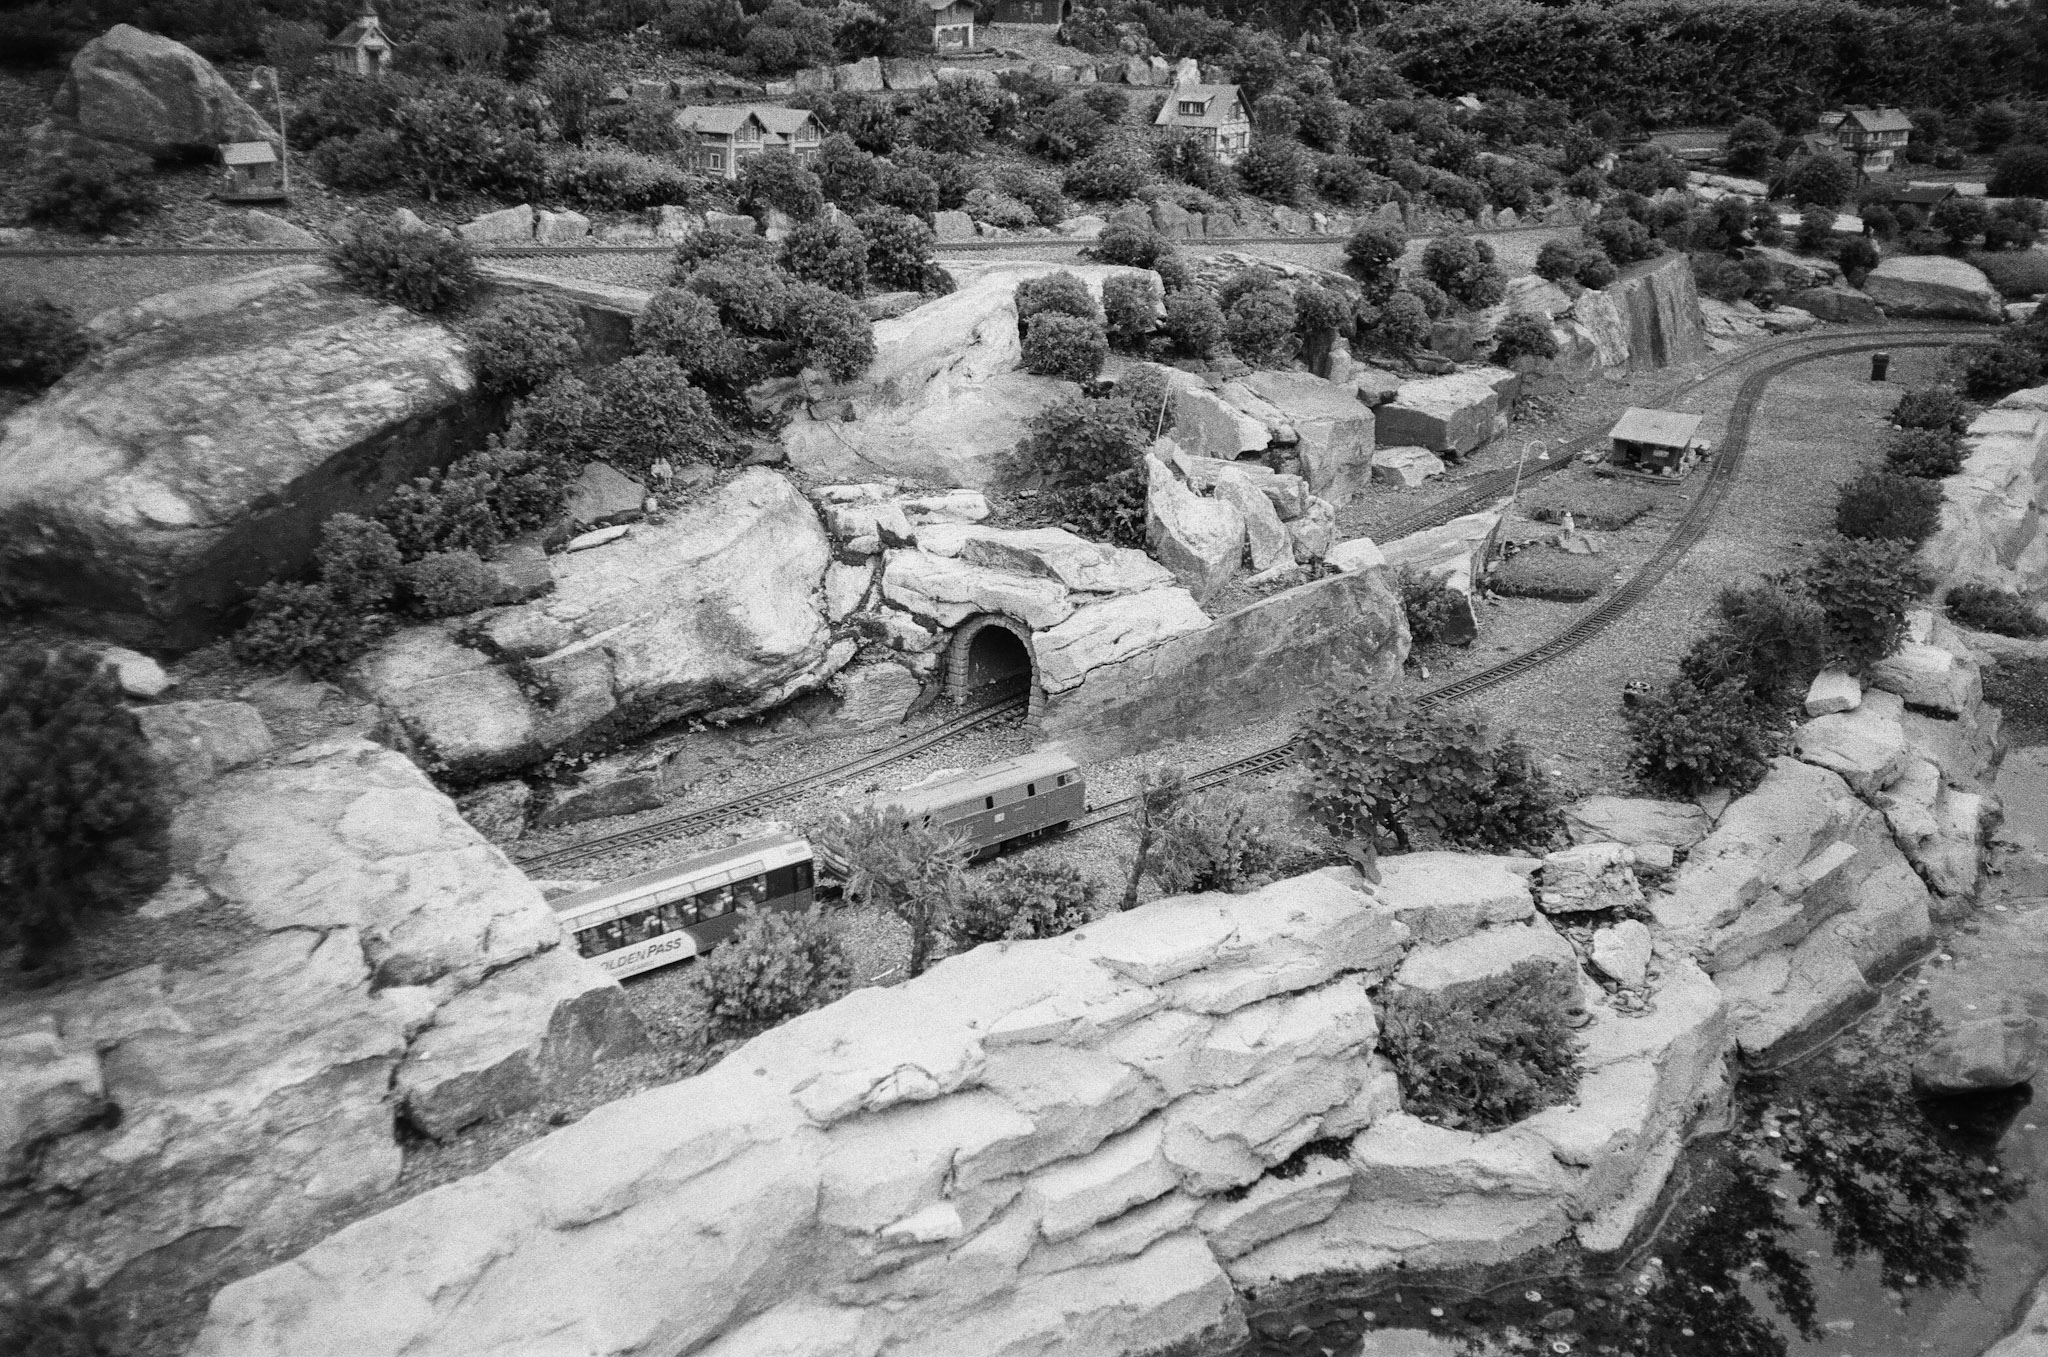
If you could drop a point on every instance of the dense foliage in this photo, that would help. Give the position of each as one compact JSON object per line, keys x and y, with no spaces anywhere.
{"x":92,"y":196}
{"x":1983,"y":608}
{"x":1865,"y":587}
{"x":1017,"y":900}
{"x":422,"y":270}
{"x":524,"y":340}
{"x":1690,"y":739}
{"x":39,"y":342}
{"x":1887,"y":506}
{"x":910,"y":870}
{"x":1213,"y":841}
{"x":1484,"y":1055}
{"x":777,"y":965}
{"x":84,"y":802}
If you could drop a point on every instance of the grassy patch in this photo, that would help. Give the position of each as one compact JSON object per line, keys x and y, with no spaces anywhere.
{"x":1545,"y":572}
{"x":2019,"y":688}
{"x":1592,"y":501}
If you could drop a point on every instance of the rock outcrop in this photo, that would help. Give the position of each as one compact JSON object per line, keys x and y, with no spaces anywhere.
{"x":1932,"y":286}
{"x":153,"y":95}
{"x":716,"y":612}
{"x":1454,"y":555}
{"x":196,"y":455}
{"x":1450,"y":415}
{"x":402,"y":968}
{"x":1994,"y":512}
{"x":1333,"y":431}
{"x":1067,"y":1146}
{"x":1659,"y":307}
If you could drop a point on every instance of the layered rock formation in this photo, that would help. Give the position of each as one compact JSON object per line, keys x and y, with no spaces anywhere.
{"x":196,"y":454}
{"x":715,"y":612}
{"x":1064,"y":1146}
{"x":1993,"y":511}
{"x":149,"y":94}
{"x":1932,"y":286}
{"x":402,"y":968}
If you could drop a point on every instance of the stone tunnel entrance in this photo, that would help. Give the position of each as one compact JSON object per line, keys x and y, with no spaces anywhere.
{"x":990,"y":656}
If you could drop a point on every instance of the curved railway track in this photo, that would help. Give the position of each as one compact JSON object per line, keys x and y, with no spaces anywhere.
{"x":1484,"y":489}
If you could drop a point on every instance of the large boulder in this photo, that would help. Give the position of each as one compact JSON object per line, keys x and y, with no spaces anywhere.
{"x":153,"y":95}
{"x":1082,"y":566}
{"x":1200,"y":540}
{"x":1838,"y":303}
{"x":946,"y":399}
{"x":1636,"y":820}
{"x":1454,"y":554}
{"x":949,"y":590}
{"x":1994,"y":512}
{"x":1932,"y":286}
{"x":715,"y":613}
{"x":1333,"y":428}
{"x":1452,"y":414}
{"x":1113,"y":631}
{"x":218,"y":427}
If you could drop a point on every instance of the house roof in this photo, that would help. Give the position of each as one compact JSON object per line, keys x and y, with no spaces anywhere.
{"x":361,"y":30}
{"x":247,"y":153}
{"x":784,"y":122}
{"x":1216,"y":100}
{"x":1663,"y":428}
{"x":1924,"y":195}
{"x":715,"y":118}
{"x":937,"y":6}
{"x":1879,"y":119}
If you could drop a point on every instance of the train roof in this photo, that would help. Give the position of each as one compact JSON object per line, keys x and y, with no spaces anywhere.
{"x":777,"y":849}
{"x":975,"y":782}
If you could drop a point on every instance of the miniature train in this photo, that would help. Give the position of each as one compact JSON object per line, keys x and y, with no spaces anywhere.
{"x":681,"y":911}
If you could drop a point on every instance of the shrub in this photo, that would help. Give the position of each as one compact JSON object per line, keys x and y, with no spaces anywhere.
{"x":638,"y":410}
{"x":612,"y":179}
{"x":1274,"y":169}
{"x":84,"y":801}
{"x":1558,"y":260}
{"x":1061,"y":345}
{"x":1882,"y":506}
{"x":1929,"y":453}
{"x":2020,"y":172}
{"x":1484,"y":1055}
{"x":1344,"y":179}
{"x":685,"y":326}
{"x":1880,"y":221}
{"x":1983,"y":608}
{"x":1931,"y":407}
{"x":1080,"y":440}
{"x":449,"y":584}
{"x":1216,"y":841}
{"x":1136,"y":247}
{"x":292,"y":624}
{"x":1106,"y":177}
{"x":899,"y":249}
{"x":1320,"y":311}
{"x":93,"y":196}
{"x":1060,"y":292}
{"x":719,"y":247}
{"x":1623,"y":240}
{"x":1429,"y":605}
{"x":776,"y":966}
{"x":421,"y":270}
{"x":358,"y":562}
{"x":39,"y":342}
{"x":1540,"y":572}
{"x":1825,"y":180}
{"x":1857,"y":257}
{"x":468,"y":135}
{"x":1371,"y":254}
{"x":1689,"y":740}
{"x":1992,"y":370}
{"x":1770,"y":636}
{"x":523,"y":340}
{"x":1377,"y":770}
{"x":1193,"y":322}
{"x":1960,"y":220}
{"x":1066,"y":130}
{"x":1260,"y":327}
{"x":1189,"y":161}
{"x":1130,"y":310}
{"x":778,"y":181}
{"x":1750,"y":143}
{"x":2007,"y":233}
{"x":1464,"y":268}
{"x":481,"y":499}
{"x":644,"y":126}
{"x":828,"y":331}
{"x":1019,"y":900}
{"x":1401,"y":325}
{"x":1865,"y":587}
{"x":904,"y":868}
{"x":1816,"y":225}
{"x":1522,"y":336}
{"x":831,"y":253}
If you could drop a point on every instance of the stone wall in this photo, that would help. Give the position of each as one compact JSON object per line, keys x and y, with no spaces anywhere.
{"x":1067,"y":1146}
{"x":1992,"y":528}
{"x":1263,"y":661}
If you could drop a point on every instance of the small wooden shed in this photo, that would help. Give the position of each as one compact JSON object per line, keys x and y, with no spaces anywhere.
{"x":363,"y":48}
{"x":1661,"y":443}
{"x":250,"y":172}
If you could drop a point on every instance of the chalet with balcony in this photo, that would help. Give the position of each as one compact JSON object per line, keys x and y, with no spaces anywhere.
{"x":1214,"y":115}
{"x":1870,"y":136}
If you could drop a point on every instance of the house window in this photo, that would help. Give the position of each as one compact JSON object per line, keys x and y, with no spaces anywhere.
{"x":715,"y":160}
{"x":1191,"y":108}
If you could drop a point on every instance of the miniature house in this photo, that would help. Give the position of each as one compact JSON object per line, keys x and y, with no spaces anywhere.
{"x":1659,"y":443}
{"x":250,"y":172}
{"x":1215,"y":115}
{"x":952,"y":24}
{"x":362,"y":48}
{"x":724,"y":135}
{"x":1871,"y":136}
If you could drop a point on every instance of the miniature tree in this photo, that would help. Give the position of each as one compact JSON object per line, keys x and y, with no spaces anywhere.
{"x":906,"y":868}
{"x":84,"y":801}
{"x":1159,"y":790}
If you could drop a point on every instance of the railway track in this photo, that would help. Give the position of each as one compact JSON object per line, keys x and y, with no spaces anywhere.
{"x":1698,"y":517}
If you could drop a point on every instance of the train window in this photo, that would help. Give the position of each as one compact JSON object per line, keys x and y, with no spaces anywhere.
{"x":751,"y":892}
{"x":605,"y":937}
{"x":1031,"y":789}
{"x":1064,"y":779}
{"x":988,"y":803}
{"x":715,"y":902}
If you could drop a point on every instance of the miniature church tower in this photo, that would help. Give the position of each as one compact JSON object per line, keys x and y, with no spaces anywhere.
{"x":362,"y":48}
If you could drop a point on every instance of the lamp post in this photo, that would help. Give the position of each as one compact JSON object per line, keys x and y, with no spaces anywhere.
{"x":257,"y":84}
{"x":1516,"y":497}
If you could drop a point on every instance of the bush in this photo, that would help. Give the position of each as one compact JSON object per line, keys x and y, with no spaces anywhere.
{"x":1559,"y":261}
{"x":1485,"y":1055}
{"x":1463,"y":267}
{"x":1689,"y":740}
{"x":1401,"y":325}
{"x":1193,"y":322}
{"x":1865,"y":587}
{"x":2017,"y":276}
{"x":1816,"y":225}
{"x":637,"y":411}
{"x":357,"y":562}
{"x":1623,"y":240}
{"x":776,"y":966}
{"x":1931,"y":407}
{"x":1429,"y":605}
{"x":831,"y":253}
{"x":1823,"y":180}
{"x":1929,"y":453}
{"x":1371,"y":254}
{"x":1750,"y":144}
{"x":1130,"y":310}
{"x":1080,"y":440}
{"x":720,"y":247}
{"x":909,"y":870}
{"x":1014,"y":901}
{"x":1194,"y":164}
{"x":1260,"y":327}
{"x":449,"y":584}
{"x":2020,"y":172}
{"x":523,"y":340}
{"x":1540,"y":572}
{"x":1960,"y":220}
{"x":899,"y":250}
{"x":39,"y":342}
{"x":1882,"y":506}
{"x":1770,"y":636}
{"x":1983,"y":608}
{"x":1992,"y":370}
{"x":421,"y":270}
{"x":1274,"y":169}
{"x":612,"y":179}
{"x":94,"y":196}
{"x":1061,"y":345}
{"x":1105,"y":177}
{"x":1216,"y":841}
{"x":1061,"y":292}
{"x":84,"y":801}
{"x":293,"y":624}
{"x":828,"y":331}
{"x":1136,"y":247}
{"x":1377,"y":771}
{"x":1857,"y":257}
{"x":685,"y":326}
{"x":778,"y":181}
{"x":1522,"y":336}
{"x":1344,"y":179}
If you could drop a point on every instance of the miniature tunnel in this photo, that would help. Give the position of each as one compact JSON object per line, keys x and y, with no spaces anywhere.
{"x":988,"y":655}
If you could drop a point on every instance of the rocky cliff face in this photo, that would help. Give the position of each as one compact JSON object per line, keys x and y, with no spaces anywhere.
{"x":195,"y":456}
{"x":1048,"y":1147}
{"x":1992,"y":528}
{"x":401,"y":968}
{"x":1658,"y":306}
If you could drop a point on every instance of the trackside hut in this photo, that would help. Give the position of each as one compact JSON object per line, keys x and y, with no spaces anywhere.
{"x":1656,"y":442}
